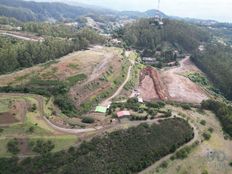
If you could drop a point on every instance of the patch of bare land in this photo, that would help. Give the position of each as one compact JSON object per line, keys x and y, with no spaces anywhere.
{"x":16,"y":113}
{"x":24,"y":116}
{"x":22,"y":35}
{"x":89,"y":62}
{"x":147,"y":90}
{"x":101,"y":75}
{"x":7,"y":118}
{"x":171,"y":84}
{"x":101,"y":65}
{"x":156,"y":85}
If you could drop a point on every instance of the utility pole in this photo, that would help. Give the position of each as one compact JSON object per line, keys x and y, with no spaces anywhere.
{"x":158,"y":8}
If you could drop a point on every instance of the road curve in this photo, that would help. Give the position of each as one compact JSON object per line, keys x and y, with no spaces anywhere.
{"x":71,"y":131}
{"x":152,"y":168}
{"x":108,"y":100}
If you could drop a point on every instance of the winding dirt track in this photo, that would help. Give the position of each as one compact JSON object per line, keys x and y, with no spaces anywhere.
{"x":71,"y":131}
{"x":104,"y":103}
{"x":157,"y":163}
{"x":101,"y":128}
{"x":107,"y":102}
{"x":20,"y":37}
{"x":171,"y":84}
{"x":181,"y":88}
{"x":75,"y":131}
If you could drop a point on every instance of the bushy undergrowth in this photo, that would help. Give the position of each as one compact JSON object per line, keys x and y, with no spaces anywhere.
{"x":124,"y":151}
{"x":222,"y":111}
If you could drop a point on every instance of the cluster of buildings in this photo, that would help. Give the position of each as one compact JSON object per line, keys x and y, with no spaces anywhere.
{"x":120,"y":114}
{"x":123,"y":113}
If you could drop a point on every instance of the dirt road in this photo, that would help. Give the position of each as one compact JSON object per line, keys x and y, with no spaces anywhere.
{"x":20,"y":37}
{"x":107,"y":102}
{"x":101,"y":129}
{"x":172,"y":84}
{"x":181,"y":88}
{"x":156,"y":164}
{"x":99,"y":69}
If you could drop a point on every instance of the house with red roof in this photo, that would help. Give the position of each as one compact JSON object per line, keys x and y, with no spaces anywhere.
{"x":122,"y":114}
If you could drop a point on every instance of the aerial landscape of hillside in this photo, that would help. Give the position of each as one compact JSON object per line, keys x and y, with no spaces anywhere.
{"x":94,"y":89}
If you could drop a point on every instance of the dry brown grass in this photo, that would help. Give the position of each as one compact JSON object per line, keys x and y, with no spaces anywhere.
{"x":199,"y":160}
{"x":70,"y":65}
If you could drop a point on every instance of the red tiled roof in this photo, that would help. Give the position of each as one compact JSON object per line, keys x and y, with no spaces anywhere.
{"x":123,"y":113}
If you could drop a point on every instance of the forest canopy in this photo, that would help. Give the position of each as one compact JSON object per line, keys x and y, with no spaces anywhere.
{"x":222,"y":111}
{"x":15,"y":54}
{"x":123,"y":151}
{"x":216,"y":62}
{"x":148,"y":34}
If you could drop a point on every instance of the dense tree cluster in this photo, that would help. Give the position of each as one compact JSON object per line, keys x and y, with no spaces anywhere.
{"x":13,"y":146}
{"x":42,"y":147}
{"x":55,"y":30}
{"x":216,"y":62}
{"x":148,"y":35}
{"x":222,"y":111}
{"x":16,"y":54}
{"x":124,"y":151}
{"x":88,"y":120}
{"x":9,"y":21}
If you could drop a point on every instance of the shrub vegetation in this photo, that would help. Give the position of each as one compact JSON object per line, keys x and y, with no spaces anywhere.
{"x":222,"y":111}
{"x":123,"y":151}
{"x":88,"y":120}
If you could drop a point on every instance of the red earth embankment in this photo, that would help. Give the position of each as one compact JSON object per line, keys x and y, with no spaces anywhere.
{"x":152,"y":85}
{"x":171,"y":84}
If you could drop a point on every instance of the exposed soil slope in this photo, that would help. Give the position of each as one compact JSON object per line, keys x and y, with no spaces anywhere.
{"x":171,"y":84}
{"x":109,"y":64}
{"x":149,"y":74}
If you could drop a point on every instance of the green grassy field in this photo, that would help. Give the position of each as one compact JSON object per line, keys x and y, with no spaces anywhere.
{"x":4,"y":105}
{"x":3,"y":150}
{"x":33,"y":120}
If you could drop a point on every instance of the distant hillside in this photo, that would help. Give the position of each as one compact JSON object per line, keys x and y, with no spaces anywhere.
{"x":152,"y":13}
{"x":42,"y":11}
{"x":137,"y":14}
{"x":17,"y":12}
{"x":25,"y":10}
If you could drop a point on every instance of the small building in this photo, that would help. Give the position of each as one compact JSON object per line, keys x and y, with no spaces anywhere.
{"x":101,"y":109}
{"x":121,"y":114}
{"x":140,"y":99}
{"x":149,"y":60}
